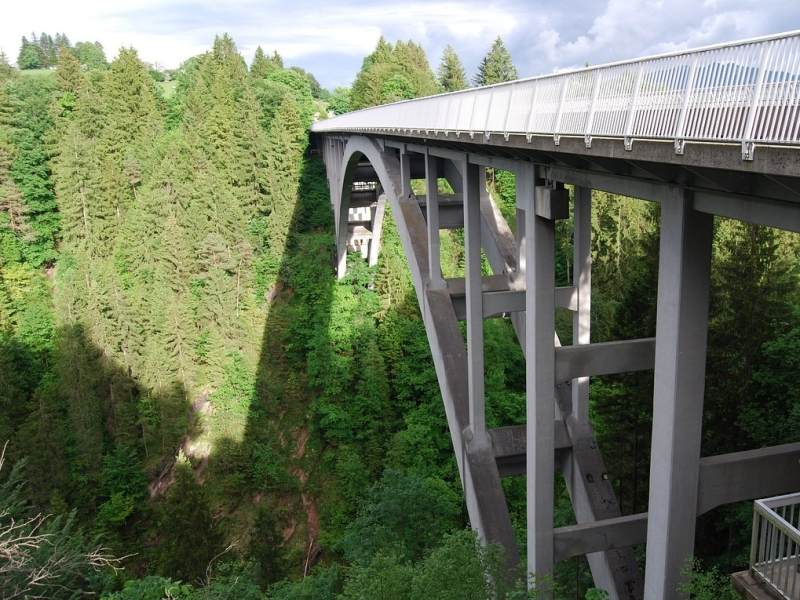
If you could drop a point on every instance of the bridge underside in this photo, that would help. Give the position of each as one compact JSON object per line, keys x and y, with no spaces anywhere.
{"x":706,"y":180}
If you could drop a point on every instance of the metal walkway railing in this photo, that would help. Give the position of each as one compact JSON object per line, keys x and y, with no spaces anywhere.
{"x":745,"y":92}
{"x":775,"y":546}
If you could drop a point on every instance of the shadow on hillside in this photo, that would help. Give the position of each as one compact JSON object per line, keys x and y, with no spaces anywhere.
{"x":266,"y":477}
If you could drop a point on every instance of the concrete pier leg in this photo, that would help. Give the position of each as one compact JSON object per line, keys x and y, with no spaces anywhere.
{"x":539,"y":273}
{"x":342,"y":233}
{"x":432,"y":212}
{"x":582,"y":280}
{"x":377,"y":230}
{"x":681,"y":328}
{"x":474,"y":301}
{"x":405,"y":175}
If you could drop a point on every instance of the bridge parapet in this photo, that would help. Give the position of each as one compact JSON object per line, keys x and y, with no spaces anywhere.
{"x":745,"y":92}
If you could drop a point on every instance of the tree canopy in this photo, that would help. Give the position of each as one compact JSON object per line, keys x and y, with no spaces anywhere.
{"x":392,"y":72}
{"x":451,"y":73}
{"x":496,"y":66}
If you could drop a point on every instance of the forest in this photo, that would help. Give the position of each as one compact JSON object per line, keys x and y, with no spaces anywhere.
{"x":193,"y":407}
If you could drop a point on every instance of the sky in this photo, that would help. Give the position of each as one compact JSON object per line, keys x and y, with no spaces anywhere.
{"x":330,"y":39}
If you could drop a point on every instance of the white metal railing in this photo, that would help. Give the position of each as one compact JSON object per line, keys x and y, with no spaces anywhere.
{"x":745,"y":92}
{"x":775,"y":546}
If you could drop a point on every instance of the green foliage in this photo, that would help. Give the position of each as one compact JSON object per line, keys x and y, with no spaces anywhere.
{"x":36,"y":219}
{"x":43,"y":555}
{"x":90,"y":54}
{"x":709,"y":584}
{"x":496,"y":66}
{"x":451,"y":75}
{"x":405,"y":514}
{"x":263,"y":66}
{"x":459,"y":568}
{"x":339,"y":101}
{"x":6,"y":70}
{"x":188,"y":538}
{"x":30,"y":55}
{"x":152,"y":587}
{"x":313,"y":84}
{"x":393,"y":72}
{"x":323,"y":583}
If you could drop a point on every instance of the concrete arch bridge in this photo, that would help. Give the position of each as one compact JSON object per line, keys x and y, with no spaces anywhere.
{"x":713,"y":131}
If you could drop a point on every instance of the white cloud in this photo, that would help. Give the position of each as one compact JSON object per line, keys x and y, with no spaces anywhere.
{"x":331,"y":38}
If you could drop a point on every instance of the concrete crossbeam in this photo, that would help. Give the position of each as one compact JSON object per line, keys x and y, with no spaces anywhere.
{"x":509,"y":446}
{"x":499,"y":299}
{"x":604,"y":358}
{"x":724,"y":479}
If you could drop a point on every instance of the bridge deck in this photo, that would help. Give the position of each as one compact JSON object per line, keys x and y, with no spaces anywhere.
{"x":731,"y":97}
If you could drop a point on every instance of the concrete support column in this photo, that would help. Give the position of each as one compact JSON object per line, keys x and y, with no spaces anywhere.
{"x":474,"y":300}
{"x":343,"y":231}
{"x":681,"y":328}
{"x":432,"y":212}
{"x":341,"y":208}
{"x":377,"y":230}
{"x":538,"y":266}
{"x":405,"y":175}
{"x":582,"y":280}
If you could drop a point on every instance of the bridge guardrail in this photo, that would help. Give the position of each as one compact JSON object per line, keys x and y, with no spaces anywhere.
{"x":745,"y":92}
{"x":775,"y":545}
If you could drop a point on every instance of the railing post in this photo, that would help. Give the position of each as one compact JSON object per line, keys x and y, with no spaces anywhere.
{"x":531,"y":114}
{"x":628,"y":131}
{"x":747,"y":138}
{"x":587,"y":137}
{"x":508,"y":111}
{"x":687,"y":96}
{"x":557,"y":123}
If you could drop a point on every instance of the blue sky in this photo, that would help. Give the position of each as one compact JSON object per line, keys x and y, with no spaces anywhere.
{"x":331,"y":38}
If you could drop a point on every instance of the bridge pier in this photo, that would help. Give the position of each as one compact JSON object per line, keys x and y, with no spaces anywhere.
{"x":539,"y":276}
{"x":681,"y":330}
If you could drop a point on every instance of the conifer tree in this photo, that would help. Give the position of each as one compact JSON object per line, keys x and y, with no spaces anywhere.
{"x":12,"y":205}
{"x":451,"y":73}
{"x":30,"y":55}
{"x":496,"y":66}
{"x":285,"y":147}
{"x":31,"y":128}
{"x":263,"y":65}
{"x":391,"y":73}
{"x":6,"y":70}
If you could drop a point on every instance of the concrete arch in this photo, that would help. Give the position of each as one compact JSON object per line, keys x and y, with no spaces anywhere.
{"x":387,"y":168}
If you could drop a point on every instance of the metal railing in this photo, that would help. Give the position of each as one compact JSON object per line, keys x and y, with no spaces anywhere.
{"x":775,"y":545}
{"x":745,"y":92}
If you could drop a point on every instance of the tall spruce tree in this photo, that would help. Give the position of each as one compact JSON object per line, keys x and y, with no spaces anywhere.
{"x":496,"y":66}
{"x":451,"y":73}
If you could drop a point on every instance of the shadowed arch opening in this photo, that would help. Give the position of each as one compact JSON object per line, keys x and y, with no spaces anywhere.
{"x":364,"y":162}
